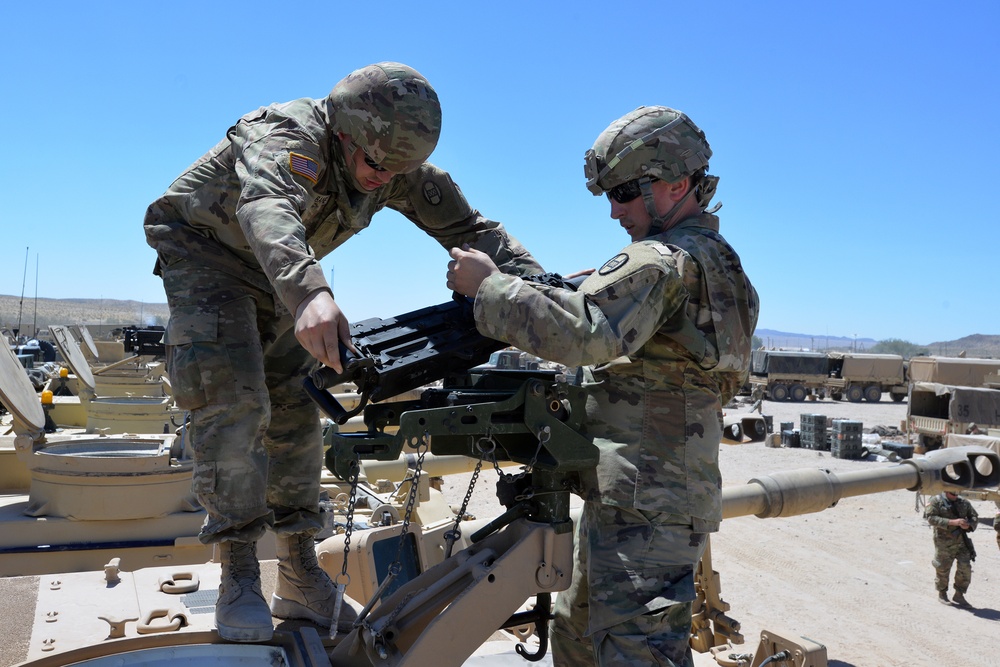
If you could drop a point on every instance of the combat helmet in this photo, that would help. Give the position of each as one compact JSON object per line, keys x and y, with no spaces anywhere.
{"x":647,"y":144}
{"x":391,"y":112}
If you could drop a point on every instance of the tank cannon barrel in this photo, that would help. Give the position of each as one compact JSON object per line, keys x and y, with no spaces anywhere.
{"x":809,"y":490}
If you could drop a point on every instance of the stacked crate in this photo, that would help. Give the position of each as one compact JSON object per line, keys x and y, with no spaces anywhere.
{"x":812,"y":431}
{"x":845,"y":439}
{"x":789,"y":436}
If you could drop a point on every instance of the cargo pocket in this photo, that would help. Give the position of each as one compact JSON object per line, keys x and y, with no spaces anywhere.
{"x":192,"y":332}
{"x":203,"y":479}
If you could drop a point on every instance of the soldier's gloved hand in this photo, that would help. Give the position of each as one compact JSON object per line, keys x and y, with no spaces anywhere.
{"x":320,"y":327}
{"x":468,"y":269}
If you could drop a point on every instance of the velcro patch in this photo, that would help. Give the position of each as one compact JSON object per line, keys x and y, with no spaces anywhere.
{"x":303,"y":166}
{"x":613,"y":264}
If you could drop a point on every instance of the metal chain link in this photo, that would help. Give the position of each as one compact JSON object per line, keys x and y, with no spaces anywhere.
{"x":411,"y":501}
{"x":543,"y":437}
{"x":455,"y":533}
{"x":352,"y":480}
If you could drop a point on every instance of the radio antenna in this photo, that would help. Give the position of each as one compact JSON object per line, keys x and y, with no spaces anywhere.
{"x":20,"y":306}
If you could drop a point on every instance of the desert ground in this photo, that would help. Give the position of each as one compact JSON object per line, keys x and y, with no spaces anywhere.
{"x":856,"y":578}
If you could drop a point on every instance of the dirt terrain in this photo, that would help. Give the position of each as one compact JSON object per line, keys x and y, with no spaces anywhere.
{"x":856,"y":578}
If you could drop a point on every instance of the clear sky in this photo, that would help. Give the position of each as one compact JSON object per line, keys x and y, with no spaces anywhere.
{"x":856,"y":142}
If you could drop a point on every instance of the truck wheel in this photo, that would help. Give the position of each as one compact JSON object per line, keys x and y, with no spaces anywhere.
{"x":897,"y":398}
{"x":873,"y":393}
{"x":836,"y":396}
{"x":779,"y":392}
{"x":854,"y":393}
{"x":798,"y":393}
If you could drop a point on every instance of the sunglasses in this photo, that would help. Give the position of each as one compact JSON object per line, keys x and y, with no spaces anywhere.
{"x":626,"y":192}
{"x":372,"y":163}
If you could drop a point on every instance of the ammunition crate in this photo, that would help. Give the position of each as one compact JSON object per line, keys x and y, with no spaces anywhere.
{"x":847,"y":426}
{"x":845,"y":439}
{"x":790,"y":438}
{"x":812,"y":431}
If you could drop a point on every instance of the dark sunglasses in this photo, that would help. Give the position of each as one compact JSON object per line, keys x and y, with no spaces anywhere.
{"x":372,"y":163}
{"x":626,"y":192}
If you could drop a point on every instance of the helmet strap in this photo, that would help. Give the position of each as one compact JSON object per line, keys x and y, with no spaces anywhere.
{"x":658,"y":222}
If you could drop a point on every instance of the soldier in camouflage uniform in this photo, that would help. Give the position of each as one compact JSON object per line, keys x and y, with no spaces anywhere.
{"x":952,"y":518}
{"x":238,"y":238}
{"x":664,"y":327}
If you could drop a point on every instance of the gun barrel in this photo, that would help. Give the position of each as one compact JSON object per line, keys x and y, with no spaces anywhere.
{"x":796,"y":492}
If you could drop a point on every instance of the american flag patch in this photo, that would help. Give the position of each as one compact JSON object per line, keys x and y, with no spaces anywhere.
{"x":303,"y":166}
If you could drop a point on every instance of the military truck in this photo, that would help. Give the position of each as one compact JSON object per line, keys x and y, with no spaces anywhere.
{"x":866,"y":376}
{"x":787,"y":375}
{"x":957,"y":371}
{"x":948,"y":395}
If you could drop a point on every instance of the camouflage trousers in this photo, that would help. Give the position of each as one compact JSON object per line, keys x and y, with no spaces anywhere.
{"x":629,"y":602}
{"x":946,"y":553}
{"x":235,"y":365}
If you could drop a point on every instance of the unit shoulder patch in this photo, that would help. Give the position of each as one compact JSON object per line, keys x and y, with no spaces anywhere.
{"x":432,"y":193}
{"x":613,"y":264}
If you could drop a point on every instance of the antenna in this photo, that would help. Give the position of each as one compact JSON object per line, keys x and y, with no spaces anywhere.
{"x":34,"y":321}
{"x":20,"y":306}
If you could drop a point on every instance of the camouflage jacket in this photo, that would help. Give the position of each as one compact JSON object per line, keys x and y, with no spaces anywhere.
{"x":275,"y":196}
{"x":939,"y":511}
{"x":668,"y":322}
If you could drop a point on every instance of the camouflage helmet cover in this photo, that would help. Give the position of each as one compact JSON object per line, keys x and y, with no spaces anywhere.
{"x":391,"y":112}
{"x":659,"y":142}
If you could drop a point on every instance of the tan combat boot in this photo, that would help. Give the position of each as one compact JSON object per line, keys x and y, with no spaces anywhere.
{"x":943,"y":597}
{"x":303,"y":589}
{"x":241,"y":614}
{"x":959,"y":598}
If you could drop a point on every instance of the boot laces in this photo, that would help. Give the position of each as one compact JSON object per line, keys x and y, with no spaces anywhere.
{"x":307,"y":552}
{"x":243,"y":566}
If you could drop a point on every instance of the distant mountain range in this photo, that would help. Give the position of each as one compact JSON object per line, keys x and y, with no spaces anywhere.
{"x":102,"y":315}
{"x":99,"y":315}
{"x":976,"y":345}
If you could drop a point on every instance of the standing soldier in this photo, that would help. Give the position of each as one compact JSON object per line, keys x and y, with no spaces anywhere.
{"x":952,"y":519}
{"x":665,"y":326}
{"x":996,"y":526}
{"x":238,"y":238}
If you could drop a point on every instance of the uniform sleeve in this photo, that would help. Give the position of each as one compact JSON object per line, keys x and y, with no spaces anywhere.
{"x":972,"y":518}
{"x":433,"y":202}
{"x":613,"y":313}
{"x":932,"y":513}
{"x":276,"y":173}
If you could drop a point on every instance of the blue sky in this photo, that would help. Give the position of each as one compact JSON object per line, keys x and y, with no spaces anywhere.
{"x":856,"y":142}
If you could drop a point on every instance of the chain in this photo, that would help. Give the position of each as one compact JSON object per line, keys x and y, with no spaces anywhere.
{"x":411,"y":501}
{"x":455,"y":533}
{"x":543,"y":437}
{"x":395,"y":568}
{"x":352,"y":479}
{"x":343,"y":579}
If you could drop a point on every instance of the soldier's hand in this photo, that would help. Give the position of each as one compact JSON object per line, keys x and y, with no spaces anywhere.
{"x":320,"y":326}
{"x":577,"y":274}
{"x":468,"y":269}
{"x":961,"y":523}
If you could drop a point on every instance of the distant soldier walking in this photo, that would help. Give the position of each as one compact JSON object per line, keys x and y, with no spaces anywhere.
{"x":952,"y":519}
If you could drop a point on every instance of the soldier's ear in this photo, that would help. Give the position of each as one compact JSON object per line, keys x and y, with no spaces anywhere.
{"x":679,"y":189}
